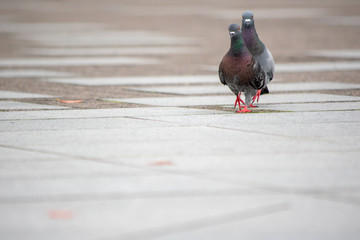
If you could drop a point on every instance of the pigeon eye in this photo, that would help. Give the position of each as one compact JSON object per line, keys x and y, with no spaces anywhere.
{"x":252,"y":17}
{"x":243,"y":17}
{"x":238,"y":28}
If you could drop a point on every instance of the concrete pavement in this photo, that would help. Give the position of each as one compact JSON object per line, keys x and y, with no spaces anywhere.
{"x":115,"y":145}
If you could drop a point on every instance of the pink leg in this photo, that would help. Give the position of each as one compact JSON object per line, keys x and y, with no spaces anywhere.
{"x":257,"y":96}
{"x":238,"y":101}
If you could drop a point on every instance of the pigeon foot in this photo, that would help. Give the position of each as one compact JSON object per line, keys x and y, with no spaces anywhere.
{"x":249,"y":106}
{"x":238,"y":101}
{"x":245,"y":110}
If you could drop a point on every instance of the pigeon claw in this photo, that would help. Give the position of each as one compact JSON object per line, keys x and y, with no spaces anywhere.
{"x":245,"y":110}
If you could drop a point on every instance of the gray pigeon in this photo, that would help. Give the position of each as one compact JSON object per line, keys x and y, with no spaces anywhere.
{"x":240,"y":71}
{"x":257,"y":48}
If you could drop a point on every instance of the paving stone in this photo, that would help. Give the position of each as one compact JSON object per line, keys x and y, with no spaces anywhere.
{"x":274,"y":87}
{"x":318,"y":181}
{"x":105,"y":113}
{"x":336,"y":53}
{"x":227,"y":100}
{"x":107,"y":38}
{"x":18,"y":156}
{"x":11,"y":105}
{"x":342,"y":21}
{"x":110,"y":51}
{"x":46,"y":27}
{"x":53,"y":62}
{"x":78,"y":124}
{"x":257,"y":119}
{"x":306,"y":219}
{"x":101,"y":219}
{"x":306,"y":67}
{"x":276,"y":13}
{"x":335,"y":127}
{"x":11,"y":94}
{"x":144,"y":145}
{"x":307,"y":107}
{"x":32,"y":73}
{"x":262,"y":163}
{"x":126,"y":184}
{"x":21,"y":166}
{"x":318,"y":66}
{"x":114,"y":81}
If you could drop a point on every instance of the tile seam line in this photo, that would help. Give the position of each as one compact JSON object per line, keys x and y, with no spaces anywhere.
{"x":106,"y":117}
{"x":111,"y":196}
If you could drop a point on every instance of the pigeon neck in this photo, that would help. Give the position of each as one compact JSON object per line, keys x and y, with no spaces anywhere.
{"x":253,"y":42}
{"x":237,"y":45}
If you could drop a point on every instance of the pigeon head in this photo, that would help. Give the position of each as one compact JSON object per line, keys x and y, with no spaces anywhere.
{"x":248,"y":19}
{"x":234,"y":30}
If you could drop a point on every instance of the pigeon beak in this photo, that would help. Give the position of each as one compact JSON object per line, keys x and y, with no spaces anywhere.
{"x":247,"y":22}
{"x":232,"y":34}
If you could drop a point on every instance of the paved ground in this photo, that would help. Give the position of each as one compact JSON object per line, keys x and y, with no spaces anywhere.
{"x":114,"y":124}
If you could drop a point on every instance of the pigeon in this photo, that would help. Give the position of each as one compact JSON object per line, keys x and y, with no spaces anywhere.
{"x":240,"y":71}
{"x":257,"y":49}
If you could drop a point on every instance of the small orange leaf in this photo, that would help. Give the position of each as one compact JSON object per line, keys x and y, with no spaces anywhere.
{"x":162,"y":163}
{"x":60,"y":214}
{"x":69,"y":101}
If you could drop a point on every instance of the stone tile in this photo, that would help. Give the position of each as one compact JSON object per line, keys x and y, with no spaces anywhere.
{"x":274,"y":87}
{"x":259,"y":119}
{"x":277,"y":13}
{"x":32,"y":73}
{"x":178,"y":101}
{"x":306,"y":67}
{"x":352,"y":54}
{"x":342,"y":21}
{"x":186,"y":90}
{"x":18,"y":155}
{"x":11,"y":94}
{"x":308,"y":107}
{"x":107,"y":38}
{"x":297,"y":181}
{"x":254,"y":162}
{"x":317,"y":67}
{"x":53,"y":62}
{"x":305,"y":219}
{"x":335,"y":127}
{"x":46,"y":27}
{"x":105,"y":113}
{"x":19,"y":164}
{"x":310,"y":86}
{"x":101,"y":219}
{"x":142,"y":80}
{"x":141,"y":146}
{"x":78,"y":124}
{"x":110,"y":51}
{"x":11,"y":105}
{"x":227,"y":100}
{"x":60,"y":188}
